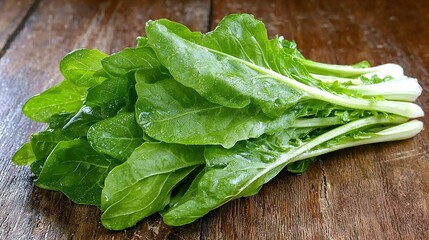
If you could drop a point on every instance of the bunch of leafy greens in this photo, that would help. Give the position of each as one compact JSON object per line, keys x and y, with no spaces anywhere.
{"x":185,"y":122}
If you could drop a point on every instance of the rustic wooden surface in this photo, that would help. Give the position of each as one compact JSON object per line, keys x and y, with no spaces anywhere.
{"x":13,"y":16}
{"x":370,"y":192}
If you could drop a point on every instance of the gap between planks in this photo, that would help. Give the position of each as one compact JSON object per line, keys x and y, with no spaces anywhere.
{"x":19,"y":28}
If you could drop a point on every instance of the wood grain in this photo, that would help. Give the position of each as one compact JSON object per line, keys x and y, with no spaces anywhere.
{"x":13,"y":16}
{"x":371,"y":192}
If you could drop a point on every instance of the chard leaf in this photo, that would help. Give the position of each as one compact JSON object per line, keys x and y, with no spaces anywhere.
{"x":130,"y":60}
{"x":78,"y":171}
{"x":143,"y":184}
{"x":64,"y":97}
{"x":24,"y":156}
{"x":81,"y":65}
{"x":220,"y":64}
{"x":117,"y":136}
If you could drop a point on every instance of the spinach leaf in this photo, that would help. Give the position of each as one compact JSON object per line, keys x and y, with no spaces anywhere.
{"x":42,"y":144}
{"x":141,"y":42}
{"x":130,"y":60}
{"x":60,"y":120}
{"x":117,"y":136}
{"x":171,"y":112}
{"x":81,"y":65}
{"x":130,"y":101}
{"x":79,"y":124}
{"x":24,"y":155}
{"x":186,"y":192}
{"x":64,"y":97}
{"x":110,"y":95}
{"x":78,"y":171}
{"x":103,"y":101}
{"x":143,"y":184}
{"x":300,"y":166}
{"x":290,"y":48}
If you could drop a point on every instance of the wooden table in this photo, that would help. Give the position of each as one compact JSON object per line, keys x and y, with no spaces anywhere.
{"x":371,"y":192}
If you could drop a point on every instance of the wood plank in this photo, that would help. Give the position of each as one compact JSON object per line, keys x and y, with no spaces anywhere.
{"x":31,"y":65}
{"x":369,"y":192}
{"x":13,"y":13}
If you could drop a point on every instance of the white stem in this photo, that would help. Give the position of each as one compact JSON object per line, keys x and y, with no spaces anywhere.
{"x":407,"y":89}
{"x":388,"y":69}
{"x":317,"y":122}
{"x":399,"y":132}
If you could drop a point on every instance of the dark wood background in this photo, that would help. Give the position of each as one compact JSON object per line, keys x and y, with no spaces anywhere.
{"x":371,"y":192}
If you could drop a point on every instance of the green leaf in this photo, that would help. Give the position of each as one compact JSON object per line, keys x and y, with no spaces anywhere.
{"x":143,"y":184}
{"x":141,"y":42}
{"x":110,"y":94}
{"x":78,"y":171}
{"x":79,"y":124}
{"x":64,"y":97}
{"x":374,"y":79}
{"x":227,"y":171}
{"x":186,"y":189}
{"x":290,"y":48}
{"x":300,"y":166}
{"x":242,"y":170}
{"x":170,"y":112}
{"x":130,"y":60}
{"x":361,"y":64}
{"x":224,"y":66}
{"x":24,"y":155}
{"x":236,"y":65}
{"x":103,"y":101}
{"x":117,"y":136}
{"x":130,"y":101}
{"x":42,"y":144}
{"x":58,"y":121}
{"x":80,"y":65}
